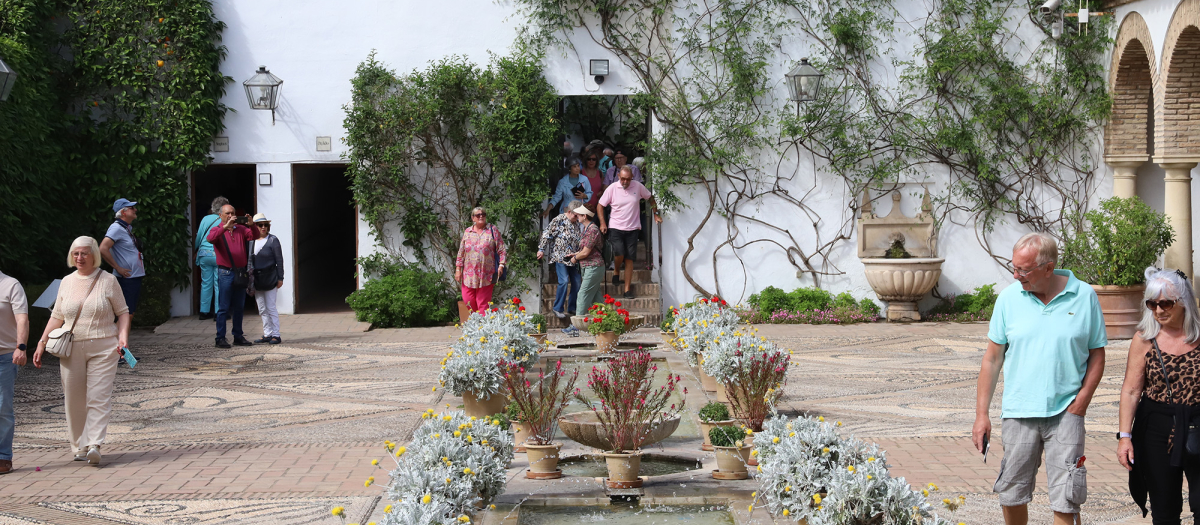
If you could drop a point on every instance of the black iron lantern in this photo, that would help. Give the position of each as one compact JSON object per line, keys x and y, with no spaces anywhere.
{"x":262,"y":91}
{"x":804,"y":82}
{"x":8,"y":77}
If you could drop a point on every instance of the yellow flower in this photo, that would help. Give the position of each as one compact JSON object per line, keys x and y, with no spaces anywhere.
{"x":775,"y":439}
{"x":816,"y":499}
{"x":753,"y":452}
{"x":825,"y":450}
{"x":457,"y":433}
{"x":337,"y":511}
{"x":787,"y":488}
{"x":749,"y":432}
{"x":750,"y":508}
{"x":850,"y":468}
{"x":387,"y":509}
{"x":492,"y":506}
{"x":786,"y":512}
{"x":467,"y":471}
{"x":793,"y":434}
{"x":933,"y":487}
{"x":925,"y":493}
{"x":374,"y":462}
{"x":400,"y":451}
{"x":821,"y":418}
{"x":870,"y":459}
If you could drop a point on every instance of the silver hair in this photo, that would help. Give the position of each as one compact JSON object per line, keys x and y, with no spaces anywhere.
{"x":628,"y":168}
{"x":120,"y":211}
{"x":475,"y":209}
{"x":90,"y":244}
{"x":574,"y":162}
{"x":1047,"y":247}
{"x":1170,"y":284}
{"x":217,"y":204}
{"x":572,"y":205}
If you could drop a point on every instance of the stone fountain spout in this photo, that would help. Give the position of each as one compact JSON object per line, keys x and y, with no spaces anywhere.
{"x":900,"y":255}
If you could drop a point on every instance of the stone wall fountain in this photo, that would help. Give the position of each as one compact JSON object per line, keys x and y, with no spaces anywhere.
{"x":900,"y":255}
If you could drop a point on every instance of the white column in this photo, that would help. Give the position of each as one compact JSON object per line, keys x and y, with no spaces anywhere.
{"x":275,"y":201}
{"x":1178,"y":207}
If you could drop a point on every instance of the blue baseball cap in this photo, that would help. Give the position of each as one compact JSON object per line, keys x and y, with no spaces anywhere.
{"x":123,"y":203}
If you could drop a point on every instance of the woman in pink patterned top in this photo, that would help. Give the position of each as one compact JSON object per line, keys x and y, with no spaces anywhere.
{"x":476,"y":266}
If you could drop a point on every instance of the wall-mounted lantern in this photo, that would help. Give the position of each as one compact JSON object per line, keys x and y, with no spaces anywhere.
{"x":8,"y":77}
{"x":598,"y":67}
{"x":262,"y":91}
{"x":804,"y":83}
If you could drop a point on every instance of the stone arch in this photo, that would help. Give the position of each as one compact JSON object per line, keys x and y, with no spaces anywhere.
{"x":1179,"y":134}
{"x":1132,"y":78}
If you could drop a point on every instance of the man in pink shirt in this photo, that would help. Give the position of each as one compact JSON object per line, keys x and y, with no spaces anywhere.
{"x":229,"y":240}
{"x":625,"y":223}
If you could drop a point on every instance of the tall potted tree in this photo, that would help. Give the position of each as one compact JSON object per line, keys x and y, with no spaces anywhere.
{"x":540,"y":408}
{"x":1110,"y":249}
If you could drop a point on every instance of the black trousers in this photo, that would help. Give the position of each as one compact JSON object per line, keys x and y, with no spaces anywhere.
{"x":1165,"y":483}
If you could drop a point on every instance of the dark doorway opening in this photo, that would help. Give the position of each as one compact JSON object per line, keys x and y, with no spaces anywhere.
{"x":234,"y":182}
{"x":326,"y":238}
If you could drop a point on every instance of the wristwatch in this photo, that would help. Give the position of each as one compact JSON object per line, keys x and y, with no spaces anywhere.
{"x":21,"y":347}
{"x":1121,"y":435}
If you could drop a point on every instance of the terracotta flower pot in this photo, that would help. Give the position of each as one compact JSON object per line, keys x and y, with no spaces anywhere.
{"x":543,"y":461}
{"x":722,"y":394}
{"x":482,"y":408}
{"x":623,"y":467}
{"x":520,"y":434}
{"x":709,"y":383}
{"x":540,"y":338}
{"x":463,"y":312}
{"x":606,"y":341}
{"x":1122,"y":308}
{"x":753,"y":460}
{"x":732,"y":461}
{"x":706,"y":427}
{"x":668,"y":339}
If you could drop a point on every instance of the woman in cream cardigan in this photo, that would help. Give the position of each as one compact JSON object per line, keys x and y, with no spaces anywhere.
{"x":89,"y":373}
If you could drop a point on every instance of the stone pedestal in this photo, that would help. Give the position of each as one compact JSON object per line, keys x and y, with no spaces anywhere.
{"x":1125,"y":173}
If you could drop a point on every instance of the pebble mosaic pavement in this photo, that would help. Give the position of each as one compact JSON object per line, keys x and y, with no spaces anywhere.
{"x":280,"y":434}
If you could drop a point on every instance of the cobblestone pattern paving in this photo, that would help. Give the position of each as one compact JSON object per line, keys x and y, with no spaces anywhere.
{"x":280,"y":434}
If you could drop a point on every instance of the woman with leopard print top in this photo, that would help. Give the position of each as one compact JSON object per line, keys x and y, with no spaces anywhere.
{"x":1160,"y":394}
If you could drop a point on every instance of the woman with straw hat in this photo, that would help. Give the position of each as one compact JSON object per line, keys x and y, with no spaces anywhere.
{"x":268,"y":278}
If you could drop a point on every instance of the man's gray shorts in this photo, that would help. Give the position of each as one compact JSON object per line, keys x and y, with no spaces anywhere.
{"x":1061,"y":437}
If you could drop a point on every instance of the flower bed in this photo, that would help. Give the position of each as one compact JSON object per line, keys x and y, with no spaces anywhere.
{"x":807,"y":471}
{"x":453,"y":466}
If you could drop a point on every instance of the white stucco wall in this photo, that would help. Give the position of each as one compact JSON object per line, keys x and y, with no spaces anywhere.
{"x":316,"y":46}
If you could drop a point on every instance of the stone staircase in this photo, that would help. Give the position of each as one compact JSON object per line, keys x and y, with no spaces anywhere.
{"x":648,"y":301}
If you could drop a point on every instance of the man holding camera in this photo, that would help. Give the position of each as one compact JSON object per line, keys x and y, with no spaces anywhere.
{"x":571,"y":187}
{"x":230,"y":239}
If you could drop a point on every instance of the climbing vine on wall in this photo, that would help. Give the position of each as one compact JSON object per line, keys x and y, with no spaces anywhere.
{"x":428,"y":146}
{"x":980,"y":94}
{"x":115,"y":98}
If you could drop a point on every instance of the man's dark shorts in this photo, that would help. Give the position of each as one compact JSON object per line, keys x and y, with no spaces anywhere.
{"x":624,"y":243}
{"x":131,"y":288}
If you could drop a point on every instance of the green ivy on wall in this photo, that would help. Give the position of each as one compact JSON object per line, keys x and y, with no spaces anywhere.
{"x":428,"y":146}
{"x":985,"y":95}
{"x":115,"y":98}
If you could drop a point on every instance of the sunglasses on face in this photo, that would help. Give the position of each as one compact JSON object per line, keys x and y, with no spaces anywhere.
{"x":591,"y":160}
{"x":479,"y":215}
{"x":1165,"y":304}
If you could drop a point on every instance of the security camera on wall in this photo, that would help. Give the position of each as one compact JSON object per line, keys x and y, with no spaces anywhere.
{"x":1049,"y":7}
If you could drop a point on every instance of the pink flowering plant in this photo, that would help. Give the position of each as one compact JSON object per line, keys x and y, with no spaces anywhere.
{"x":540,"y":405}
{"x":756,"y":385}
{"x":630,"y":405}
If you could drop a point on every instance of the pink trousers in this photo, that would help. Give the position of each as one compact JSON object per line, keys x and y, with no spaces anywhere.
{"x":477,"y":299}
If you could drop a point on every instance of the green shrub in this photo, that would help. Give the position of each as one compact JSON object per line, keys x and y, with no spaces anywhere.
{"x":668,"y":320}
{"x":844,"y":300}
{"x":868,"y":307}
{"x":976,"y":306}
{"x":769,"y":300}
{"x":714,"y":411}
{"x":726,"y":436}
{"x":537,"y":324}
{"x":154,"y":304}
{"x":772,"y":299}
{"x":512,"y":411}
{"x":1117,"y":243}
{"x":404,"y":296}
{"x":809,"y":299}
{"x":504,"y":421}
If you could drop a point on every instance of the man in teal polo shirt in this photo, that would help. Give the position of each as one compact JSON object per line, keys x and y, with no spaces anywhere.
{"x":1048,"y":336}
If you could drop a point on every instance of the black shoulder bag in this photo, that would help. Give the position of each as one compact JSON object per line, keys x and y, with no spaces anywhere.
{"x":241,"y":277}
{"x":1193,"y":430}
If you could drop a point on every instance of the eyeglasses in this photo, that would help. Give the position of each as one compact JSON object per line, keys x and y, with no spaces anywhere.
{"x":591,"y":160}
{"x":1021,"y":274}
{"x":479,"y":215}
{"x":1165,"y":304}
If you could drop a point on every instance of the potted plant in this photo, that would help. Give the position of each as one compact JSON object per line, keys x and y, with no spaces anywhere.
{"x":1110,"y":249}
{"x":697,"y":325}
{"x":733,"y":454}
{"x":713,"y":415}
{"x":472,"y":367}
{"x":537,"y":328}
{"x":630,"y":407}
{"x":540,"y":408}
{"x":751,"y":371}
{"x":513,"y":414}
{"x":607,"y":322}
{"x":667,"y":328}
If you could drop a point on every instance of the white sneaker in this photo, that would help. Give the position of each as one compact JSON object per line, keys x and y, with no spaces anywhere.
{"x":560,"y":315}
{"x":93,"y":455}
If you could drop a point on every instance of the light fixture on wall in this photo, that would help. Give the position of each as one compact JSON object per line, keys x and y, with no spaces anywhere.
{"x":262,"y":91}
{"x":8,"y":77}
{"x":803,"y":83}
{"x":598,"y":67}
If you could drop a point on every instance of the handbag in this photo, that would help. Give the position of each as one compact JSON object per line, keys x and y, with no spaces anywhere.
{"x":1193,"y":431}
{"x":498,"y":274}
{"x":59,"y":342}
{"x":241,"y":278}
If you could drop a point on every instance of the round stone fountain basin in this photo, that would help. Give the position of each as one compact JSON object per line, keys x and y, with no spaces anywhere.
{"x":903,"y":282}
{"x":584,"y":428}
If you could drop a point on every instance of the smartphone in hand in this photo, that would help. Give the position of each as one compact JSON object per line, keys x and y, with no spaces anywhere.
{"x":987,"y":446}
